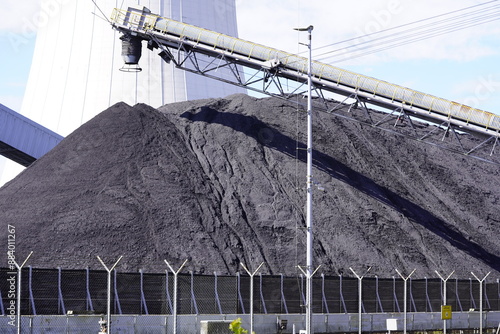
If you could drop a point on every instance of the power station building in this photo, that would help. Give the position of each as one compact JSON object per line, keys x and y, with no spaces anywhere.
{"x":76,"y":74}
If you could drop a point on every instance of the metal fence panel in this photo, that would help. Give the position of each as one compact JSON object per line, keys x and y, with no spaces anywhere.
{"x":48,"y":291}
{"x":323,"y":323}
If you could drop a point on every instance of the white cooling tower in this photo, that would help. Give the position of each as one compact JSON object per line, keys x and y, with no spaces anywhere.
{"x":75,"y":70}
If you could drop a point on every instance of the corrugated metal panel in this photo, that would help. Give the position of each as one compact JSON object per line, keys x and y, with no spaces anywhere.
{"x":23,"y":140}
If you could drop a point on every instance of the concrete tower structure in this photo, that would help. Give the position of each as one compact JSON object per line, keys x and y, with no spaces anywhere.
{"x":75,"y":70}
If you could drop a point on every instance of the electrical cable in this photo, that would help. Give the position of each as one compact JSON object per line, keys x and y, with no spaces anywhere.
{"x":400,"y":26}
{"x":403,"y":41}
{"x":430,"y":25}
{"x":416,"y":38}
{"x":445,"y":24}
{"x":103,"y":15}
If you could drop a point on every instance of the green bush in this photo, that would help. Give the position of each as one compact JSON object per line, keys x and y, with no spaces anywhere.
{"x":236,"y":328}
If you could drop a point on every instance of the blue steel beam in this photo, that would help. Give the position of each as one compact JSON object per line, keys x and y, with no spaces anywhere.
{"x":23,"y":140}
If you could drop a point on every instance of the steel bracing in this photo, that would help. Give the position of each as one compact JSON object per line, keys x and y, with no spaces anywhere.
{"x":349,"y":95}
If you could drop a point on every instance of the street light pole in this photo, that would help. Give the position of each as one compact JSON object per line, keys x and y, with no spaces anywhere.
{"x":309,"y":204}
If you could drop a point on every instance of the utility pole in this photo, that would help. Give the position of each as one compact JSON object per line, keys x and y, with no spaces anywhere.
{"x":309,"y":204}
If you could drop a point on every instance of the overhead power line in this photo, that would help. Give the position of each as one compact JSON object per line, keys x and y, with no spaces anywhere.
{"x":413,"y":32}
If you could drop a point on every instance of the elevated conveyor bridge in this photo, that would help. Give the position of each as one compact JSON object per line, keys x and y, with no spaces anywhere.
{"x":447,"y":124}
{"x":23,"y":140}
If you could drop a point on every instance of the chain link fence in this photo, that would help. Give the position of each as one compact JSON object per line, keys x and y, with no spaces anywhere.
{"x":58,"y":291}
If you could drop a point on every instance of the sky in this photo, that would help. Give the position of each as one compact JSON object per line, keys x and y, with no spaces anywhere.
{"x":462,"y":66}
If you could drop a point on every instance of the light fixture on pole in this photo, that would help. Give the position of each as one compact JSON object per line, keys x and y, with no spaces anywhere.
{"x":309,"y":220}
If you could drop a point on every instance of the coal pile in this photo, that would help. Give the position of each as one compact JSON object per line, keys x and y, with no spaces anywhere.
{"x":222,"y":181}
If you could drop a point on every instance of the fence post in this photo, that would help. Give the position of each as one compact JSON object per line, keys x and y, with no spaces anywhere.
{"x":117,"y":304}
{"x":144,"y":305}
{"x":444,"y":294}
{"x":360,"y":300}
{"x":498,"y":292}
{"x":251,"y":274}
{"x":323,"y":295}
{"x":167,"y":293}
{"x":480,"y":300}
{"x":378,"y":295}
{"x":2,"y":309}
{"x":19,"y":276}
{"x":472,"y":300}
{"x":395,"y":296}
{"x":341,"y":294}
{"x":302,"y":296}
{"x":428,"y":303}
{"x":88,"y":305}
{"x":412,"y":300}
{"x":457,"y":295}
{"x":216,"y":292}
{"x":174,"y":311}
{"x":262,"y":300}
{"x":238,"y":280}
{"x":405,"y":279}
{"x":108,"y":309}
{"x":30,"y":288}
{"x":60,"y":299}
{"x":194,"y":303}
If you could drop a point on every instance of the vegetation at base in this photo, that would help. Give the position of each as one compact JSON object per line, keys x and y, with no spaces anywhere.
{"x":236,"y":328}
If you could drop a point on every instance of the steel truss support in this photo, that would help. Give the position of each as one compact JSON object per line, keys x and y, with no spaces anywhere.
{"x":494,"y":145}
{"x":274,"y":79}
{"x":359,"y":103}
{"x":484,"y":143}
